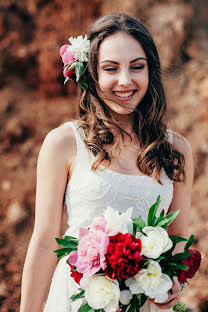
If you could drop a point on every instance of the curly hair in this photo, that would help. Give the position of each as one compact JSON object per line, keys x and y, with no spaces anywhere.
{"x":99,"y":125}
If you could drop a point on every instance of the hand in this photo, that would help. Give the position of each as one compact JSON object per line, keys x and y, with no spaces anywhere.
{"x":172,"y":298}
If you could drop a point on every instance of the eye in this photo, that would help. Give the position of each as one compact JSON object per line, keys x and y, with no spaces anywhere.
{"x":110,"y":68}
{"x":137,"y":67}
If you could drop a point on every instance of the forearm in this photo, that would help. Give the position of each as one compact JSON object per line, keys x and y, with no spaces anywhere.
{"x":38,"y":270}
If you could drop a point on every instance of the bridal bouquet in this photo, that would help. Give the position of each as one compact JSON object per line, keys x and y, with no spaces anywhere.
{"x":118,"y":261}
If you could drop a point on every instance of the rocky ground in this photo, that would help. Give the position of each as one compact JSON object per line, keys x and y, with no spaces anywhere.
{"x":34,"y":100}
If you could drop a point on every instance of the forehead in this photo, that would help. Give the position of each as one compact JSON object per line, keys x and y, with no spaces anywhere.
{"x":120,"y":46}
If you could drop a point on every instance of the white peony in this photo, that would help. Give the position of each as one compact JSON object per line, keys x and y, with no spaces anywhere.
{"x":155,"y":242}
{"x":152,"y":282}
{"x":101,"y":292}
{"x":125,"y":296}
{"x":119,"y":222}
{"x":81,"y":47}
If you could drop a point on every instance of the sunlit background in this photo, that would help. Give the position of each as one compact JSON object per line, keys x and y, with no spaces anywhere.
{"x":33,"y":100}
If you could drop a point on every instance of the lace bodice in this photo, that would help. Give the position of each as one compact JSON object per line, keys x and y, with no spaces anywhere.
{"x":87,"y":194}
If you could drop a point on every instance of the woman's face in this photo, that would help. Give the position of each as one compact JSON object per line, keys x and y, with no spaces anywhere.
{"x":122,"y":72}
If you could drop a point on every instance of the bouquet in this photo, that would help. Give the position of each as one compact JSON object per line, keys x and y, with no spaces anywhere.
{"x":118,"y":261}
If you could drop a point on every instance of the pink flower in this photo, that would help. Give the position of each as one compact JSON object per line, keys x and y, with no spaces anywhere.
{"x":63,"y":49}
{"x":90,"y":255}
{"x":68,"y":56}
{"x":99,"y":224}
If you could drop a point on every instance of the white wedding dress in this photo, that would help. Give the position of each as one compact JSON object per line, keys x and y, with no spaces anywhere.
{"x":87,"y":194}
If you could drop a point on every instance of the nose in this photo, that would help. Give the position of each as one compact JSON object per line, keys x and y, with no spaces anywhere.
{"x":124,"y":78}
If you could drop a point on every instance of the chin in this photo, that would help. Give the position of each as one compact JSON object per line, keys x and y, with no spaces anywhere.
{"x":122,"y":110}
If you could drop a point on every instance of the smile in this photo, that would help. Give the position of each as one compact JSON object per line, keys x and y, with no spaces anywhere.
{"x":123,"y":94}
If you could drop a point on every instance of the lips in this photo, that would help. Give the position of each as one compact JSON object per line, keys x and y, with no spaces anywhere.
{"x":124,"y":94}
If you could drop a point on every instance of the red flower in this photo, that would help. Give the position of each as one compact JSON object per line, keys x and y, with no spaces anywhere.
{"x":69,"y":73}
{"x":76,"y":275}
{"x":123,"y":257}
{"x":193,"y":262}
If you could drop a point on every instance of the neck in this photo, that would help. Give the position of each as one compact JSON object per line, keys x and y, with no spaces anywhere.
{"x":124,"y":121}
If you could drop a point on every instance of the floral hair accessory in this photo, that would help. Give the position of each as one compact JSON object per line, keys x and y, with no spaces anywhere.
{"x":75,"y":59}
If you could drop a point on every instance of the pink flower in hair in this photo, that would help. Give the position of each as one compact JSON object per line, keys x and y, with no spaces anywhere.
{"x":63,"y":49}
{"x":68,"y":56}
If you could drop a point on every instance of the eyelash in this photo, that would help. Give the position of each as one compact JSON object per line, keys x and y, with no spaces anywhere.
{"x":136,"y":67}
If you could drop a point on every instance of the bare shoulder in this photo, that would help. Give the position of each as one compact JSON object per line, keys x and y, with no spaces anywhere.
{"x":182,"y":145}
{"x":60,"y":143}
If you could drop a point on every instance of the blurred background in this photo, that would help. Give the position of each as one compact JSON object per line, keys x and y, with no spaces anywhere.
{"x":33,"y":100}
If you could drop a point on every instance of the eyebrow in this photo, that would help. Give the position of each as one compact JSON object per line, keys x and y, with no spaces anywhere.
{"x":134,"y":60}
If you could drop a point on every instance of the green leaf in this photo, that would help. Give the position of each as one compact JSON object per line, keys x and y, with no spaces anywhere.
{"x":65,"y":81}
{"x":138,"y":224}
{"x":179,"y":307}
{"x":77,"y":296}
{"x":67,"y":243}
{"x":182,"y":266}
{"x":141,"y":299}
{"x":152,"y":211}
{"x":160,"y":217}
{"x":61,"y":252}
{"x":69,"y":238}
{"x":73,"y":65}
{"x":190,"y":242}
{"x":133,"y":307}
{"x":84,"y":85}
{"x":179,"y":266}
{"x":180,"y":256}
{"x":84,"y":307}
{"x":168,"y":219}
{"x":177,"y":239}
{"x":173,"y":264}
{"x":78,"y":70}
{"x":160,"y":258}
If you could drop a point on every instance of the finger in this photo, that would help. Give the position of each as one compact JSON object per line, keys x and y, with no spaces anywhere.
{"x":176,"y":289}
{"x":174,"y":296}
{"x":176,"y":284}
{"x":168,"y":305}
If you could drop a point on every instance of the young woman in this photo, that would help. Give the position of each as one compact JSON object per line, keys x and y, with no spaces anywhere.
{"x":118,"y":153}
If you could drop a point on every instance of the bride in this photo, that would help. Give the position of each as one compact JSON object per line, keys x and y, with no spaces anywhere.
{"x":118,"y":153}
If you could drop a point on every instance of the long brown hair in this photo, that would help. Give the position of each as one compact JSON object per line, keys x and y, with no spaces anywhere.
{"x":97,"y":122}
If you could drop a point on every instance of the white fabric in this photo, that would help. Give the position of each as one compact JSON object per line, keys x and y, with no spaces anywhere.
{"x":87,"y":195}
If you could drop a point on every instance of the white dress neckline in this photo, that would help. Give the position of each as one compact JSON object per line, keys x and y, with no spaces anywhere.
{"x":115,"y":173}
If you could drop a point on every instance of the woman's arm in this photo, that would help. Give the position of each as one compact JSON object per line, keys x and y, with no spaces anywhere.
{"x":54,"y":163}
{"x":182,"y":193}
{"x":181,"y":200}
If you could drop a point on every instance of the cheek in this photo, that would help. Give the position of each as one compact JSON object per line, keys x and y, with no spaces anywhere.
{"x":143,"y":80}
{"x":105,"y":81}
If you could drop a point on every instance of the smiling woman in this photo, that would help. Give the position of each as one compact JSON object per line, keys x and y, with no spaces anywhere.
{"x":118,"y":153}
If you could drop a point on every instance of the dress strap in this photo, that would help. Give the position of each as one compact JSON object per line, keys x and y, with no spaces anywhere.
{"x":83,"y":154}
{"x":78,"y":132}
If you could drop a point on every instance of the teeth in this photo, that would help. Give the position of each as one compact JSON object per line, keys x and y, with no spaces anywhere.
{"x":124,"y":95}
